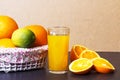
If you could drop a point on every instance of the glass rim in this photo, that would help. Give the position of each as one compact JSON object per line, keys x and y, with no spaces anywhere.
{"x":58,"y":30}
{"x":59,"y":27}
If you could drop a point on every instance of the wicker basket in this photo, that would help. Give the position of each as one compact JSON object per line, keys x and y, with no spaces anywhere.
{"x":19,"y":59}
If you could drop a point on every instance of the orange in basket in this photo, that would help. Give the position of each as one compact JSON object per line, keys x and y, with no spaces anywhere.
{"x":6,"y":43}
{"x":7,"y":26}
{"x":40,"y":34}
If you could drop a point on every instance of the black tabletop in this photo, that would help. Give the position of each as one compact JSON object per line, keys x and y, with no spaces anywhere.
{"x":43,"y":74}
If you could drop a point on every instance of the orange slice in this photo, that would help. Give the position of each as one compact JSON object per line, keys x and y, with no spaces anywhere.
{"x":102,"y":65}
{"x":76,"y":51}
{"x":81,"y":66}
{"x":89,"y":54}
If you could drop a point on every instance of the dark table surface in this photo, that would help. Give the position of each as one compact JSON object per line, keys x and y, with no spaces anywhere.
{"x":43,"y":74}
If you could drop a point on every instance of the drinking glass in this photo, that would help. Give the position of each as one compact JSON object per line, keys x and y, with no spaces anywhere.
{"x":58,"y":44}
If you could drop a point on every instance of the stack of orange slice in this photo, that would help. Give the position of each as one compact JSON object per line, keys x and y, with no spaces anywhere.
{"x":84,"y":59}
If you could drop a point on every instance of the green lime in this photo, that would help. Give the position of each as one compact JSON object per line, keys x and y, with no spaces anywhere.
{"x":23,"y":37}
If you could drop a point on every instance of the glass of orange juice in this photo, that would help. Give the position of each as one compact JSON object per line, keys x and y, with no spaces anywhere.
{"x":58,"y":44}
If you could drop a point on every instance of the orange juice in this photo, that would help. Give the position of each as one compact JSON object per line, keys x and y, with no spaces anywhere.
{"x":58,"y":52}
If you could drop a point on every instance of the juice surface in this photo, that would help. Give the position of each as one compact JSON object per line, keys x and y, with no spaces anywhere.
{"x":58,"y":52}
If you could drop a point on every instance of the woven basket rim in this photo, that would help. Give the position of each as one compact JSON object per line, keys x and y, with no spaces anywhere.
{"x":24,"y":50}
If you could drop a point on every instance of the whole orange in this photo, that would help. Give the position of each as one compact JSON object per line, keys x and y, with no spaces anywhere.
{"x":7,"y":26}
{"x":40,"y":34}
{"x":6,"y":43}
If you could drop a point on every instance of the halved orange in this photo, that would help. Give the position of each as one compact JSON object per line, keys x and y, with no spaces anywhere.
{"x":102,"y":65}
{"x":76,"y":51}
{"x":89,"y":54}
{"x":81,"y":66}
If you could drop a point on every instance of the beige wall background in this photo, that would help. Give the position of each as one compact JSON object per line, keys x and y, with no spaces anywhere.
{"x":93,"y":23}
